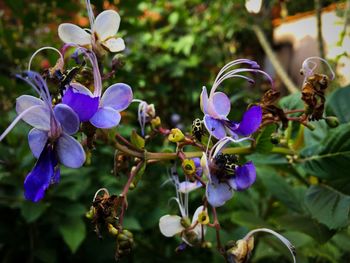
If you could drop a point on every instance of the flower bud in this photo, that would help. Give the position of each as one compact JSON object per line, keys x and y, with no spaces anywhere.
{"x":207,"y":245}
{"x":189,"y":167}
{"x":275,"y":138}
{"x":332,"y":121}
{"x":240,"y":252}
{"x":91,"y":213}
{"x":203,"y":217}
{"x":185,"y":222}
{"x":156,"y":122}
{"x":310,"y":126}
{"x":112,"y":230}
{"x":151,"y":112}
{"x":176,"y":135}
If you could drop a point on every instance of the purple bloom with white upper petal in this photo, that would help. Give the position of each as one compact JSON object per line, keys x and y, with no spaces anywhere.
{"x":102,"y":112}
{"x":50,"y":139}
{"x":221,"y":185}
{"x":217,"y":105}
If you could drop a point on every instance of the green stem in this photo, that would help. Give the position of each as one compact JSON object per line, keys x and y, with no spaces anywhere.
{"x":152,"y":156}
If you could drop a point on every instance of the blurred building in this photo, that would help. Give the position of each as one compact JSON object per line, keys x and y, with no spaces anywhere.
{"x":296,"y":39}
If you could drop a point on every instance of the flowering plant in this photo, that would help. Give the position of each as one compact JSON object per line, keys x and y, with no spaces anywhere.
{"x":215,"y":167}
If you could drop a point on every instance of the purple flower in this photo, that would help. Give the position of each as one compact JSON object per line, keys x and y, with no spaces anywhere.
{"x":225,"y":176}
{"x":217,"y":105}
{"x":102,"y":112}
{"x":49,"y":140}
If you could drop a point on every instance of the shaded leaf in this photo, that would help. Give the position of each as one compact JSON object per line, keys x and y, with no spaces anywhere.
{"x":328,"y":206}
{"x":73,"y":232}
{"x":331,"y":157}
{"x":307,"y":225}
{"x":32,"y":211}
{"x":263,"y":141}
{"x":137,"y":140}
{"x":338,"y":104}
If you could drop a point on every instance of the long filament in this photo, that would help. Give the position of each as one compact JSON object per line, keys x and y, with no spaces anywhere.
{"x":41,"y":49}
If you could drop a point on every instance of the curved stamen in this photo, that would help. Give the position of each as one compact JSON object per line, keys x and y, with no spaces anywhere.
{"x":252,"y":63}
{"x":221,"y":144}
{"x":90,"y":13}
{"x":305,"y":66}
{"x":98,"y":191}
{"x":45,"y":48}
{"x":232,"y":74}
{"x":284,"y":240}
{"x":38,"y":84}
{"x":95,"y":69}
{"x":141,"y":114}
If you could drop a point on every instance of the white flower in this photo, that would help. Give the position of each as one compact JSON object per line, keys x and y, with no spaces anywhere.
{"x":102,"y":35}
{"x":171,"y":225}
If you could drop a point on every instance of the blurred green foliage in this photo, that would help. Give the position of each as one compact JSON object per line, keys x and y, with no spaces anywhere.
{"x":173,"y":49}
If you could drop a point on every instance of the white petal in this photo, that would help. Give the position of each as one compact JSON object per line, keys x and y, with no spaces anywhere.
{"x":114,"y":44}
{"x":78,"y":88}
{"x":186,"y":187}
{"x":37,"y":140}
{"x":198,"y":228}
{"x":196,"y":214}
{"x":70,"y":33}
{"x":70,"y":152}
{"x":106,"y":24}
{"x":170,"y":225}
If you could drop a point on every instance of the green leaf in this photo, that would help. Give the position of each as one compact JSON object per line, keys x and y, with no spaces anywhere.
{"x":338,"y":104}
{"x":131,"y":223}
{"x":137,"y":140}
{"x":32,"y":211}
{"x":330,"y":159}
{"x":73,"y":232}
{"x":328,"y":206}
{"x":305,"y":224}
{"x":292,"y":102}
{"x":248,"y":219}
{"x":263,"y":142}
{"x":314,"y":137}
{"x":281,"y":190}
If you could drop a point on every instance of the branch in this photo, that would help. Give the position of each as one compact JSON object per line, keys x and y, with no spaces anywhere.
{"x":274,"y":60}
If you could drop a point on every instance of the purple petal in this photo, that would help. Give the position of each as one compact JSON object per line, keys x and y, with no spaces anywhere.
{"x":37,"y":115}
{"x":57,"y":176}
{"x":106,"y":118}
{"x":68,"y":119}
{"x":221,"y":104}
{"x":218,"y":193}
{"x":38,"y":180}
{"x":37,"y":140}
{"x":70,"y":152}
{"x":118,"y":96}
{"x":215,"y":127}
{"x":250,"y":122}
{"x":197,"y":163}
{"x":245,"y":177}
{"x":204,"y":100}
{"x":83,"y":104}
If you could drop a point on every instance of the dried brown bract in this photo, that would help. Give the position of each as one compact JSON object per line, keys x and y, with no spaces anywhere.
{"x":313,"y":95}
{"x":271,"y":112}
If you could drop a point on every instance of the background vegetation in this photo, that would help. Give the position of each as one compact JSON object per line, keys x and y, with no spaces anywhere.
{"x":173,"y":49}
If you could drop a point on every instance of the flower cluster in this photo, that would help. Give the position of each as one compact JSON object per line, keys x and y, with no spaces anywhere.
{"x":82,"y":106}
{"x":54,"y":124}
